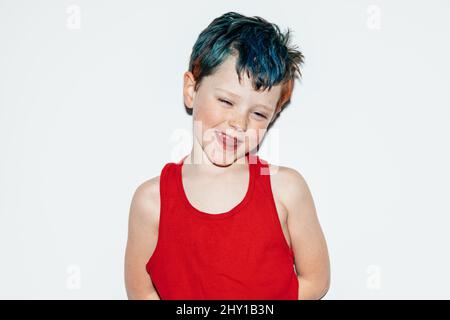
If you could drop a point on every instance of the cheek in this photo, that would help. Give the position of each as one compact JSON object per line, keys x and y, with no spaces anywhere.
{"x":209,"y":114}
{"x":207,"y":117}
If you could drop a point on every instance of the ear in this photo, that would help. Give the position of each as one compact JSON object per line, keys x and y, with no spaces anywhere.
{"x":189,"y":89}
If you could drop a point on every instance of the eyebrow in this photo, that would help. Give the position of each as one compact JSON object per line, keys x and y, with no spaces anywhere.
{"x":237,"y":96}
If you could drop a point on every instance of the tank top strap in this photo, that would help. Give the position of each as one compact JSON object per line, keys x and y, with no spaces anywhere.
{"x":263,"y":178}
{"x":167,"y":175}
{"x":261,"y":175}
{"x":264,"y":185}
{"x":167,"y":190}
{"x":262,"y":169}
{"x":168,"y":198}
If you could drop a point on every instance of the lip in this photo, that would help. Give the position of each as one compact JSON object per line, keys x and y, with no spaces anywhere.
{"x":227,"y":142}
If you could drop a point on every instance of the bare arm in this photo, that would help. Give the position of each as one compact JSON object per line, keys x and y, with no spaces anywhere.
{"x":308,"y":242}
{"x":142,"y":237}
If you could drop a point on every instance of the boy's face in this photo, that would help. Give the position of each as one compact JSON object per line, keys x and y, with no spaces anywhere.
{"x":222,"y":104}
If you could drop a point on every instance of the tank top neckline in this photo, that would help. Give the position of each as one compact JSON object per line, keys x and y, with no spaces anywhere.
{"x":252,"y":161}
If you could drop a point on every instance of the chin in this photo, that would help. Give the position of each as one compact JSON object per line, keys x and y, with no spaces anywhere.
{"x":224,"y":158}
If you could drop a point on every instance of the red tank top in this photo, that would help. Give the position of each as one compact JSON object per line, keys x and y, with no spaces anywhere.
{"x":238,"y":254}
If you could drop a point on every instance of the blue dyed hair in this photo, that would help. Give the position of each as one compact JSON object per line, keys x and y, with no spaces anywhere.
{"x":261,"y":49}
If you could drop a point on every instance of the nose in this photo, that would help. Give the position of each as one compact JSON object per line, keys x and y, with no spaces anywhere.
{"x":238,"y":122}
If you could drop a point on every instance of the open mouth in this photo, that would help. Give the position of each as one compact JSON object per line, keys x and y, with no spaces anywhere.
{"x":228,"y":143}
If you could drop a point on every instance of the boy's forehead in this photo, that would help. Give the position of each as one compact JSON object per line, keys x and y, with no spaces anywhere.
{"x":225,"y":77}
{"x":226,"y":72}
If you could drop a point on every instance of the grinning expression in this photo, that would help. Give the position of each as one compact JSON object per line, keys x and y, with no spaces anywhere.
{"x":222,"y":104}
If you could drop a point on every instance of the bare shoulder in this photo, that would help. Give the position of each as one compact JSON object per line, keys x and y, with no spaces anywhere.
{"x":142,"y":238}
{"x":146,"y":202}
{"x":290,"y":185}
{"x":308,"y":241}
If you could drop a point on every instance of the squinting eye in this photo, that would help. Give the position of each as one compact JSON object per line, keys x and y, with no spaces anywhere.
{"x":260,"y":115}
{"x":225,"y":101}
{"x":229,"y":103}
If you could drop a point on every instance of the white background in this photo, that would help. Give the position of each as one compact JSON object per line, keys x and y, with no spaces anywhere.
{"x":91,"y":106}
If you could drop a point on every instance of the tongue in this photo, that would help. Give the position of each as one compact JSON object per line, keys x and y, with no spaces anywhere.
{"x":228,"y":140}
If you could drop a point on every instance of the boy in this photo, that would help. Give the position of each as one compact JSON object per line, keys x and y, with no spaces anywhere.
{"x":222,"y":223}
